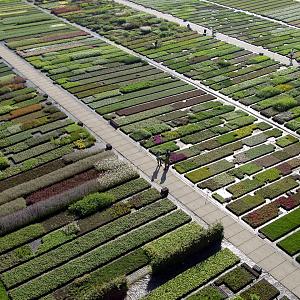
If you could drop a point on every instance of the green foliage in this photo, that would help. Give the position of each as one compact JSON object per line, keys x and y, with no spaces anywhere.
{"x":6,"y":109}
{"x":258,"y":59}
{"x":4,"y":163}
{"x":122,"y":266}
{"x":236,"y":279}
{"x":21,"y":236}
{"x":245,"y":204}
{"x":3,"y":294}
{"x":175,"y":247}
{"x":162,"y":149}
{"x":91,"y":204}
{"x":58,"y":237}
{"x":115,"y":287}
{"x":284,"y":103}
{"x":194,"y":277}
{"x":268,"y":92}
{"x":291,"y":244}
{"x":263,"y":289}
{"x":96,"y":258}
{"x":282,"y":226}
{"x":286,"y":140}
{"x":206,"y":172}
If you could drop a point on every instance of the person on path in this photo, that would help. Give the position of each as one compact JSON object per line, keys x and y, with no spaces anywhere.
{"x":291,"y":56}
{"x":189,"y":27}
{"x":213,"y":32}
{"x":167,"y":159}
{"x":159,"y":159}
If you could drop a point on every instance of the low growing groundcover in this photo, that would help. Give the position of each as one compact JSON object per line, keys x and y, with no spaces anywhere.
{"x":282,"y":226}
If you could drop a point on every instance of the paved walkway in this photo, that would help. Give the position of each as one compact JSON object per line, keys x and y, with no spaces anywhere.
{"x":262,"y":252}
{"x":200,"y":29}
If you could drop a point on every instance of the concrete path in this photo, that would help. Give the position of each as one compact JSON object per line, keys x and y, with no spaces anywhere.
{"x":262,"y":252}
{"x":200,"y":29}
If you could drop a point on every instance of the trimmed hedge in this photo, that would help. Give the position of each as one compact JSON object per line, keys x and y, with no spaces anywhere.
{"x":91,"y":203}
{"x":115,"y":288}
{"x":194,"y":277}
{"x":175,"y":247}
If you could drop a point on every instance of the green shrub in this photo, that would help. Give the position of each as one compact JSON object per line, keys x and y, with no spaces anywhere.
{"x":4,"y":163}
{"x":175,"y":247}
{"x":267,"y":92}
{"x":130,"y":59}
{"x":286,"y":140}
{"x":91,"y":204}
{"x":245,"y":204}
{"x":3,"y":294}
{"x":284,"y":103}
{"x":115,"y":289}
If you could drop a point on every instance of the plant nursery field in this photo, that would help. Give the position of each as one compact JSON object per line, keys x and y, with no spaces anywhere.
{"x":76,"y":222}
{"x":287,"y":11}
{"x":253,"y":80}
{"x":255,"y":30}
{"x":248,"y":166}
{"x":95,"y":222}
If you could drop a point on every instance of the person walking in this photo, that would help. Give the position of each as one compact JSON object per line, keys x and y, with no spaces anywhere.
{"x":159,"y":159}
{"x":167,"y":159}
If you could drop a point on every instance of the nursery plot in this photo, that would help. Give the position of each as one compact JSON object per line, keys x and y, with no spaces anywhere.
{"x":252,"y":79}
{"x":233,"y":156}
{"x":35,"y":134}
{"x":252,"y":29}
{"x":288,"y":12}
{"x":91,"y":231}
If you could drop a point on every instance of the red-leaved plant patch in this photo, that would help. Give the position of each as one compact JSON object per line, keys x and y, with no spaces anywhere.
{"x":54,"y":37}
{"x":64,"y":9}
{"x":61,"y":186}
{"x":270,"y":211}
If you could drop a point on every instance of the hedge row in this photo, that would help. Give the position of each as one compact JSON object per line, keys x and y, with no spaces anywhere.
{"x":196,"y":276}
{"x":176,"y":247}
{"x":100,"y":256}
{"x":84,"y":243}
{"x":122,"y":266}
